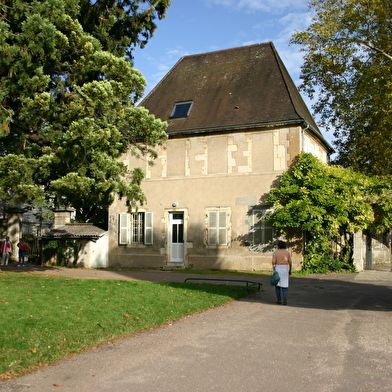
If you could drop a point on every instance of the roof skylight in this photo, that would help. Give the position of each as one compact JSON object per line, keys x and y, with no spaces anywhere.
{"x":181,"y":109}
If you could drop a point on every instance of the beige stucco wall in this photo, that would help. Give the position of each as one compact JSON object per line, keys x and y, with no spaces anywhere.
{"x":233,"y":170}
{"x":91,"y":253}
{"x":311,"y":145}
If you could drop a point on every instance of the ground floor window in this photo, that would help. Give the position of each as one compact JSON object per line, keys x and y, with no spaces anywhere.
{"x":261,"y":233}
{"x":218,"y":226}
{"x":136,"y":228}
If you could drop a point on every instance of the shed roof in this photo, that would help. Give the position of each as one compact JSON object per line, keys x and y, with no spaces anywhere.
{"x":76,"y":230}
{"x":247,"y":86}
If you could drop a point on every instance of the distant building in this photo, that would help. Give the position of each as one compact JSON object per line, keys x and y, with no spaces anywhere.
{"x":74,"y":244}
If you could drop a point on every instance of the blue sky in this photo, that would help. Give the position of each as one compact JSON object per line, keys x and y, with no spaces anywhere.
{"x":199,"y":26}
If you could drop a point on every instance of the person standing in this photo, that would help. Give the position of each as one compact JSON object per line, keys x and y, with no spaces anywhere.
{"x":6,"y":249}
{"x":281,"y":261}
{"x":23,"y":248}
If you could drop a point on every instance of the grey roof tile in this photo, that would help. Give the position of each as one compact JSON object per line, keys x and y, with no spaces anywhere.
{"x":76,"y":230}
{"x":231,"y":89}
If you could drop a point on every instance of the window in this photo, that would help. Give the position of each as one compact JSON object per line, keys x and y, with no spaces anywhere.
{"x":181,"y":109}
{"x":136,"y":228}
{"x":217,"y":227}
{"x":260,"y":230}
{"x":137,"y":225}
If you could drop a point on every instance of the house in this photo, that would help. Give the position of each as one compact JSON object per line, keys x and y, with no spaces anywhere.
{"x":236,"y":121}
{"x":74,"y":244}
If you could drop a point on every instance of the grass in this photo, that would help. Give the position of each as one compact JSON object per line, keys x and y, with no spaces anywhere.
{"x":44,"y":319}
{"x":261,"y":273}
{"x":220,"y":272}
{"x":215,"y":272}
{"x":196,"y":271}
{"x":226,"y":272}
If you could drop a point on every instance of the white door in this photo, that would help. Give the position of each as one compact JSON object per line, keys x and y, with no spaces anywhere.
{"x":177,"y":237}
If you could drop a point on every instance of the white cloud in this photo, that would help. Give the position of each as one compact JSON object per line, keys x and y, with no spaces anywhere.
{"x":163,"y":64}
{"x":273,"y":6}
{"x":294,"y":22}
{"x":177,"y":53}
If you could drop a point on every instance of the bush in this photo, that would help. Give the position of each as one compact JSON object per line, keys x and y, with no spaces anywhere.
{"x":317,"y":263}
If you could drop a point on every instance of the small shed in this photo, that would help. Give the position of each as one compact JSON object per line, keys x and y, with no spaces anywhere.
{"x":76,"y":244}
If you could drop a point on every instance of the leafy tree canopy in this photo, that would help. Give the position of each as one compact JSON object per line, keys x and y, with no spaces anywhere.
{"x":329,"y":204}
{"x":67,"y":97}
{"x":348,"y":66}
{"x":121,"y":24}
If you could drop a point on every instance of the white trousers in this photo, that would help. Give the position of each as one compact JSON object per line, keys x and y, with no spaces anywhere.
{"x":4,"y":258}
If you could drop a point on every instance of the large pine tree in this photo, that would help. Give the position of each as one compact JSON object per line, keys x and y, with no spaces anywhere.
{"x":67,"y":95}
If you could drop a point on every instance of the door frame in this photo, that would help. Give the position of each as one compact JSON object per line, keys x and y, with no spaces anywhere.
{"x":168,"y":214}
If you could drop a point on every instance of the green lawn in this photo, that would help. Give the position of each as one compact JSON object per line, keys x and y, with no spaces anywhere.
{"x":44,"y":319}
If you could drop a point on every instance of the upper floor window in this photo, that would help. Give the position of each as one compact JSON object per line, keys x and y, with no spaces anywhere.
{"x":181,"y":109}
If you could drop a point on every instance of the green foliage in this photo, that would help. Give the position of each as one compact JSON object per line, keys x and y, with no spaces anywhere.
{"x":67,"y":102}
{"x":328,"y":204}
{"x":68,"y":252}
{"x":50,"y":249}
{"x":63,"y":251}
{"x":120,"y":25}
{"x":348,"y":67}
{"x":323,"y":262}
{"x":44,"y":214}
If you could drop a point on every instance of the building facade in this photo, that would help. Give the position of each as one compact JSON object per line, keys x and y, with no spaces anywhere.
{"x":236,"y":122}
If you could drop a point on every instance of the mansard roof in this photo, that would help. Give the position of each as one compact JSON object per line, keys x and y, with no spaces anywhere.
{"x":230,"y":89}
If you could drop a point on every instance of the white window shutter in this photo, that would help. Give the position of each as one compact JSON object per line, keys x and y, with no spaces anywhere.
{"x":222,"y":228}
{"x":148,"y":228}
{"x":123,"y":229}
{"x":212,"y":228}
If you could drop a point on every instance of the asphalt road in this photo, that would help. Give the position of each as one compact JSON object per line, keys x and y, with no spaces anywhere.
{"x":335,"y":334}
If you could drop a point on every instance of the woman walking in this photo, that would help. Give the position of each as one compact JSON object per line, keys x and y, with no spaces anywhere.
{"x":281,"y":261}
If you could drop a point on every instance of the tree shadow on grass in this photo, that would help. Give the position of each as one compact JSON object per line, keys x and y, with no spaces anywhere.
{"x":326,"y":292}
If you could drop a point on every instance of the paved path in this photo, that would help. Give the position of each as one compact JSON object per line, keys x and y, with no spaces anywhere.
{"x":334,"y":335}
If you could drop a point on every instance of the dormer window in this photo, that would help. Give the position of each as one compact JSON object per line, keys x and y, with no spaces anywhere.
{"x":181,"y":109}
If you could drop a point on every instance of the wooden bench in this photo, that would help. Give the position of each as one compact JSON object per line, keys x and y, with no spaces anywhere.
{"x":249,"y":283}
